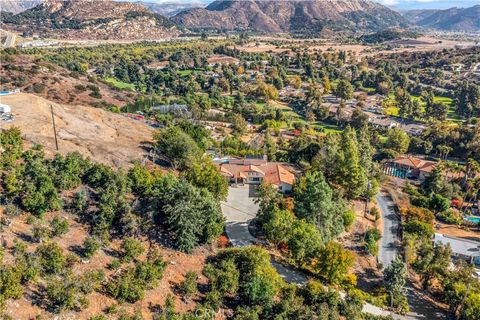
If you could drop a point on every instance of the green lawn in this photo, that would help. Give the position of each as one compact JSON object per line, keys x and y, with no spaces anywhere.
{"x":327,"y":128}
{"x":393,"y":111}
{"x":186,"y":72}
{"x":445,"y":100}
{"x":120,"y":84}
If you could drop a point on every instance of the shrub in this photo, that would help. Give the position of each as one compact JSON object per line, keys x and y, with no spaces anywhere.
{"x":348,"y":218}
{"x":131,"y":249}
{"x":90,"y":246}
{"x":59,"y":226}
{"x":40,"y":233}
{"x":419,"y":228}
{"x":371,"y":238}
{"x":38,"y":87}
{"x":450,"y":217}
{"x":80,"y":87}
{"x":131,"y":284}
{"x":189,"y":285}
{"x":51,"y":258}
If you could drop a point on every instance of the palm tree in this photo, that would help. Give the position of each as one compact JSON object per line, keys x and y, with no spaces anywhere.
{"x":450,"y":166}
{"x":443,"y":151}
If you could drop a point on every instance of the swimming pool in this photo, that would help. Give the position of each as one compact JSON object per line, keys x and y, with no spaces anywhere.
{"x":472,"y":219}
{"x":4,"y":93}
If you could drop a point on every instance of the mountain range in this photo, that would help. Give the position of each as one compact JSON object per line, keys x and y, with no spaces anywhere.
{"x":453,"y":19}
{"x":17,"y":6}
{"x":169,"y":9}
{"x":291,"y":16}
{"x":90,"y":19}
{"x":115,"y":20}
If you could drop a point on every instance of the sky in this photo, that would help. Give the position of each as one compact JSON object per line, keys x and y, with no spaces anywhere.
{"x":428,"y":4}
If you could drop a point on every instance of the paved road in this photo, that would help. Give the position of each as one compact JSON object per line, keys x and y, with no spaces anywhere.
{"x":391,"y":224}
{"x":10,"y":40}
{"x":420,"y":306}
{"x":239,"y":209}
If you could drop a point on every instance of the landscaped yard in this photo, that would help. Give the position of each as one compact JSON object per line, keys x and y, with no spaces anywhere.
{"x":120,"y":84}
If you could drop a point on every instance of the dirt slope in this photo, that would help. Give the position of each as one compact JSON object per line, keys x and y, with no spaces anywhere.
{"x":101,"y":135}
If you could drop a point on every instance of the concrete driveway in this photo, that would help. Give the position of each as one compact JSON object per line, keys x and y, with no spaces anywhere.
{"x":420,"y":306}
{"x":239,"y":209}
{"x":388,"y":249}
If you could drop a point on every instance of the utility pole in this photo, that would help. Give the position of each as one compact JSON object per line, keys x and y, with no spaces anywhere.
{"x":54,"y":128}
{"x":367,"y":198}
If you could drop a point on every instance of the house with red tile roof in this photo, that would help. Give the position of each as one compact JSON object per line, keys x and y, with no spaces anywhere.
{"x":256,"y":171}
{"x":413,"y":168}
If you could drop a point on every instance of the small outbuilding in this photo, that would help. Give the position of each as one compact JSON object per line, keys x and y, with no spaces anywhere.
{"x":5,"y":108}
{"x":464,"y":249}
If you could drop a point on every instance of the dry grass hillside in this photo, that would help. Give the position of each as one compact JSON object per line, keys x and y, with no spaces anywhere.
{"x":101,"y":135}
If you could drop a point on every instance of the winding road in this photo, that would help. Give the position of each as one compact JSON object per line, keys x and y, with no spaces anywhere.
{"x":239,"y":209}
{"x":420,"y":306}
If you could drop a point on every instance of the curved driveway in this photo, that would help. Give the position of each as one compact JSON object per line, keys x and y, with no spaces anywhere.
{"x":239,"y":209}
{"x":420,"y":306}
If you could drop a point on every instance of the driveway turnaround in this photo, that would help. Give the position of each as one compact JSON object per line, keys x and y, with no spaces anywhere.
{"x":239,"y":209}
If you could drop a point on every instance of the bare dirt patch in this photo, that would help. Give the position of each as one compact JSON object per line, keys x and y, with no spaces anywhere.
{"x":56,"y":83}
{"x":103,"y":136}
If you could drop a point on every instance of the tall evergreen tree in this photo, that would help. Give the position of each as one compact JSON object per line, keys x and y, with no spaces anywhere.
{"x":395,"y":280}
{"x":315,"y":202}
{"x":351,"y":175}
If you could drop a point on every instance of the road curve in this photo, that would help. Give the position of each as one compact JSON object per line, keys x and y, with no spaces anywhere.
{"x":239,"y":209}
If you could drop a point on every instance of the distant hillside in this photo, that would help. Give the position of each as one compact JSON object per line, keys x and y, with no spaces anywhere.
{"x":453,"y":19}
{"x":292,"y":16}
{"x":90,"y":19}
{"x":17,"y":6}
{"x":169,"y":9}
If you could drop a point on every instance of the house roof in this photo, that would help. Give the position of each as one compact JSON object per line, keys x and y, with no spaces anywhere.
{"x":276,"y":174}
{"x":464,"y":247}
{"x":273,"y":173}
{"x":415,"y":163}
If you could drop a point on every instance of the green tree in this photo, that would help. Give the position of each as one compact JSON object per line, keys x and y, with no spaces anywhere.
{"x":344,"y":90}
{"x":204,"y":174}
{"x":397,"y":140}
{"x":395,"y":281}
{"x":177,"y":146}
{"x":192,"y":215}
{"x":333,"y":262}
{"x":349,"y":172}
{"x":10,"y":284}
{"x":314,"y":201}
{"x":303,"y":242}
{"x":432,"y":262}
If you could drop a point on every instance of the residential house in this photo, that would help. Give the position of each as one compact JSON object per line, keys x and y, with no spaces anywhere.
{"x":464,"y":249}
{"x":409,"y":167}
{"x":258,"y":170}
